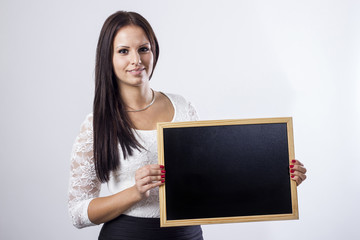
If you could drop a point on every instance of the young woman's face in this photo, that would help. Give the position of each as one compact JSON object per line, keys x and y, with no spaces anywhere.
{"x":132,"y":56}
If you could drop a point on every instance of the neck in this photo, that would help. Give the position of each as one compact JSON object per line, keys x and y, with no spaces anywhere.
{"x":136,"y":97}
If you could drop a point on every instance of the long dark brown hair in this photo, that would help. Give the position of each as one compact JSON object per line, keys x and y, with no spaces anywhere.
{"x":112,"y":125}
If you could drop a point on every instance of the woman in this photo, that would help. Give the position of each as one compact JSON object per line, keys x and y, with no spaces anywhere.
{"x":117,"y":143}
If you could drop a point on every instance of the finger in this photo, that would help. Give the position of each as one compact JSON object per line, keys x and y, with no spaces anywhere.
{"x":155,"y":166}
{"x":299,"y":174}
{"x":152,"y":167}
{"x":297,"y":168}
{"x":149,"y":179}
{"x":298,"y":177}
{"x":144,"y":188}
{"x":144,"y":172}
{"x":296,"y":162}
{"x":150,"y":186}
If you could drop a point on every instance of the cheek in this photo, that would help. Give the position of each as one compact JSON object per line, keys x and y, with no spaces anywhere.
{"x":118,"y":65}
{"x":150,"y":62}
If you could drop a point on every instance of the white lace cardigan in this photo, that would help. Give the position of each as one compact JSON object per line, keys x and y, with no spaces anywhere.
{"x":84,"y":185}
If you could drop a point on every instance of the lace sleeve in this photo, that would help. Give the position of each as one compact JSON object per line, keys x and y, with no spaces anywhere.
{"x":84,"y":185}
{"x":193,"y":115}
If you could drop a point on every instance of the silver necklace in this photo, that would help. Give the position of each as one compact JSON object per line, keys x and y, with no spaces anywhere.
{"x":151,"y":103}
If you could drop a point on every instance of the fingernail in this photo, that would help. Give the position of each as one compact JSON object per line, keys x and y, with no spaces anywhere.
{"x":161,"y":166}
{"x":293,"y":161}
{"x":163,"y":180}
{"x":292,"y":176}
{"x":292,"y":170}
{"x":162,"y":171}
{"x":291,"y":166}
{"x":162,"y":176}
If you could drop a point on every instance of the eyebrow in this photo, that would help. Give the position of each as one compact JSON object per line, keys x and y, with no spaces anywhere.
{"x":118,"y":46}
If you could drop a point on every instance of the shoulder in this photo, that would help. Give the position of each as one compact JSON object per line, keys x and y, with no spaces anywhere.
{"x":84,"y":140}
{"x":87,"y":124}
{"x":184,"y":109}
{"x":176,"y":98}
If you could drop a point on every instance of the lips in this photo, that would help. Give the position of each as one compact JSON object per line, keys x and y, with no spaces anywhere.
{"x":136,"y":70}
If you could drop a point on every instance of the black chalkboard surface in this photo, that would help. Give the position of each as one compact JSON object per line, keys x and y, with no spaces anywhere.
{"x":226,"y":171}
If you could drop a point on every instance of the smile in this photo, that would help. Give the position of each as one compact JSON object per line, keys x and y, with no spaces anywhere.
{"x":136,"y":70}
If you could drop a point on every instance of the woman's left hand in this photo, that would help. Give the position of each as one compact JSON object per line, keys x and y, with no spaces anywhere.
{"x":297,"y":171}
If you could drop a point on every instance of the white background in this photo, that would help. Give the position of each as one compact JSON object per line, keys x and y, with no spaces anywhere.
{"x":232,"y":59}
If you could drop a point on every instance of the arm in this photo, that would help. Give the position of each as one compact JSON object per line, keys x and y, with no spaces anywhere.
{"x":84,"y":185}
{"x":104,"y":209}
{"x":85,"y":206}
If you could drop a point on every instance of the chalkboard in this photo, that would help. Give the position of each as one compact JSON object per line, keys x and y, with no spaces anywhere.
{"x":226,"y":171}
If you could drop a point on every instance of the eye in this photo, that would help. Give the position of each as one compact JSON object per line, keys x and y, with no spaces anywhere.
{"x":144,"y":49}
{"x":123,"y":51}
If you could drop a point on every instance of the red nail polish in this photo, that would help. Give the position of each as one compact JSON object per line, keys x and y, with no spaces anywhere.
{"x":161,"y":166}
{"x":163,"y":171}
{"x":163,"y":180}
{"x":291,"y":166}
{"x":162,"y":176}
{"x":293,"y":161}
{"x":292,"y":170}
{"x":292,"y":176}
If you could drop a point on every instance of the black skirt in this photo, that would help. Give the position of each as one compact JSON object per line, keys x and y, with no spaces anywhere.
{"x":134,"y":228}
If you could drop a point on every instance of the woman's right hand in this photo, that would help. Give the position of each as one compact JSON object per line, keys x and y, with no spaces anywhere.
{"x":149,"y":177}
{"x":104,"y":209}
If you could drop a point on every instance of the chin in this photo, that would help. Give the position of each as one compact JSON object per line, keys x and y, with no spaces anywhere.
{"x":134,"y":83}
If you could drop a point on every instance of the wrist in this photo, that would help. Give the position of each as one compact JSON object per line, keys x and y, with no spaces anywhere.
{"x":136,"y":195}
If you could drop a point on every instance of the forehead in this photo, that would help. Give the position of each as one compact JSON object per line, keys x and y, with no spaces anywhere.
{"x":130,"y":35}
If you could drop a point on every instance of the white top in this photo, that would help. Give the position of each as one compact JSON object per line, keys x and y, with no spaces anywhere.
{"x":84,"y":185}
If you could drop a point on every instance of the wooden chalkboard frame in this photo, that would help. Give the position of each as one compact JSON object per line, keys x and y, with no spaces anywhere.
{"x":164,"y":222}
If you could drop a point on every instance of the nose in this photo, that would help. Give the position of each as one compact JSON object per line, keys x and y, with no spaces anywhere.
{"x":135,"y":59}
